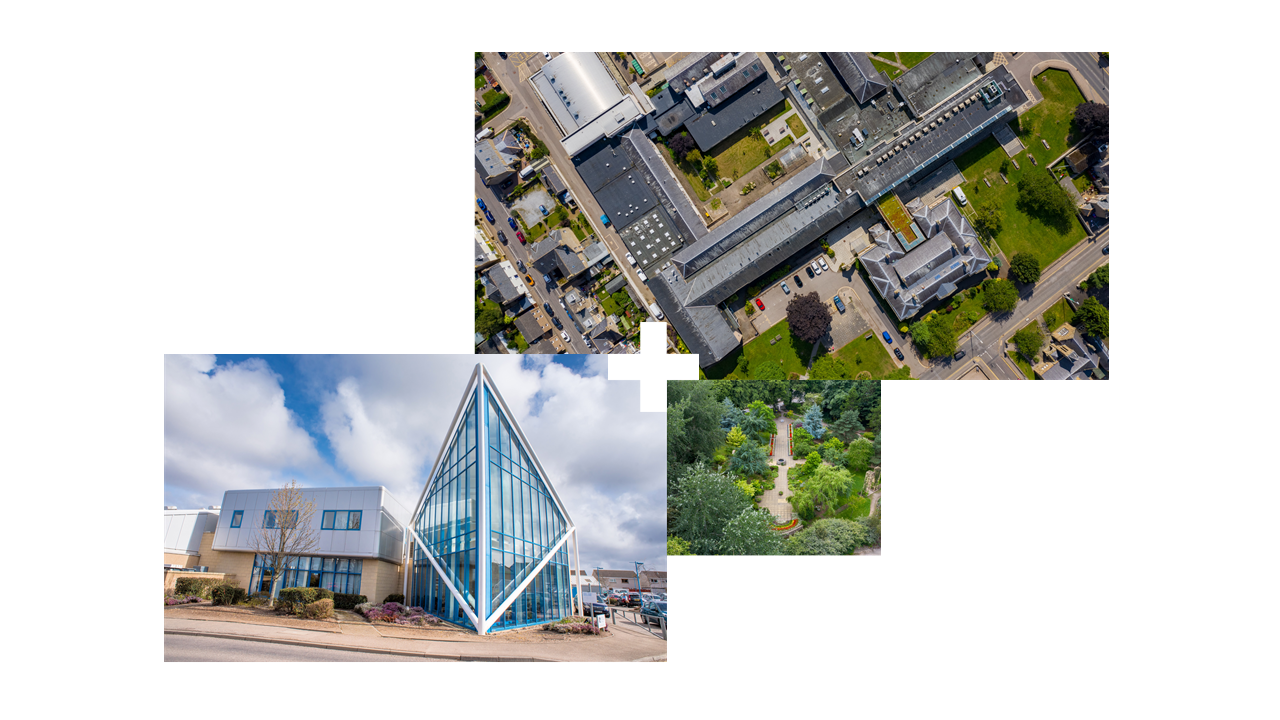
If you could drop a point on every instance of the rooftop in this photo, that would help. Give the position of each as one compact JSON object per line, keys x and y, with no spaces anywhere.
{"x":855,"y":68}
{"x":816,"y":79}
{"x":576,"y":88}
{"x":938,"y":77}
{"x":735,"y":74}
{"x":689,"y":68}
{"x":718,"y":123}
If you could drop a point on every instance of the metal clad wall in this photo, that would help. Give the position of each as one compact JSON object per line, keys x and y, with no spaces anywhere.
{"x":254,"y":503}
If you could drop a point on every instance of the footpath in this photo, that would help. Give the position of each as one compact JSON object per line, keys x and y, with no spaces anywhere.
{"x":624,"y":644}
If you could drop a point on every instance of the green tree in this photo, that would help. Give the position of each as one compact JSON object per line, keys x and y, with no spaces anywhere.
{"x":1028,"y":340}
{"x":920,"y":335}
{"x":731,"y":416}
{"x":750,"y":459}
{"x":858,"y":458}
{"x":989,"y":217}
{"x":832,"y":536}
{"x":801,"y":441}
{"x":1024,"y":267}
{"x":942,"y":336}
{"x":829,"y":367}
{"x":676,"y":546}
{"x":735,"y":438}
{"x":847,"y":427}
{"x":1093,"y":318}
{"x":813,"y":422}
{"x":711,"y":169}
{"x":1000,"y":296}
{"x":755,"y":421}
{"x":1039,"y":194}
{"x":694,"y":158}
{"x":693,"y":422}
{"x":1100,"y":277}
{"x":833,"y":450}
{"x":751,"y":533}
{"x":700,"y":504}
{"x":825,"y":485}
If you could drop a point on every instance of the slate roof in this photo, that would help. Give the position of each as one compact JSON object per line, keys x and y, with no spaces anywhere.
{"x":705,"y":330}
{"x":616,"y":284}
{"x":1073,"y":359}
{"x":503,"y":284}
{"x":864,"y":81}
{"x":530,"y":328}
{"x":553,"y":181}
{"x":496,"y":157}
{"x":718,"y":123}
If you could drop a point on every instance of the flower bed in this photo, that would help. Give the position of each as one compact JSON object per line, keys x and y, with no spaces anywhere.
{"x":572,"y":625}
{"x":397,"y":614}
{"x":783,"y":528}
{"x":771,"y":437}
{"x":180,"y":599}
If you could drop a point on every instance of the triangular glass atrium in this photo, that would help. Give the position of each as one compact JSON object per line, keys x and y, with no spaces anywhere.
{"x":490,"y":539}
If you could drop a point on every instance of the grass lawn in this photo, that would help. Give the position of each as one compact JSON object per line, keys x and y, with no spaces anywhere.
{"x":742,"y":155}
{"x":1023,"y":365}
{"x":786,"y":107}
{"x":479,"y":81}
{"x":1082,"y":182}
{"x":1058,"y":314}
{"x":491,"y":96}
{"x":1021,"y":232}
{"x":781,"y":144}
{"x":1051,"y":119}
{"x":790,"y":353}
{"x":577,"y":231}
{"x":912,"y":59}
{"x":535,"y":232}
{"x":889,"y":70}
{"x":796,"y":125}
{"x":969,"y":312}
{"x":870,"y":355}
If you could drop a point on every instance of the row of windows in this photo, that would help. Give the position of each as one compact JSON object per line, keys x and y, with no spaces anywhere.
{"x":340,"y":520}
{"x":341,"y":575}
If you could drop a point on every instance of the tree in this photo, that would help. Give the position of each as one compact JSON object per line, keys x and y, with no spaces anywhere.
{"x":732,"y":415}
{"x":1092,"y":117}
{"x":699,"y":505}
{"x":832,"y":536}
{"x":920,"y":335}
{"x":1100,"y":277}
{"x":711,"y":169}
{"x":757,"y":418}
{"x":1000,"y":296}
{"x":833,"y":450}
{"x":489,"y":318}
{"x":693,"y":422}
{"x":823,"y":486}
{"x":936,"y":337}
{"x":829,"y":367}
{"x":813,"y":423}
{"x":676,"y":546}
{"x":847,"y":427}
{"x":1028,"y":340}
{"x":989,"y":218}
{"x":287,"y":531}
{"x":808,"y":317}
{"x":1025,"y":267}
{"x":1041,"y":195}
{"x":694,"y":158}
{"x":801,"y":442}
{"x":681,"y":145}
{"x":751,"y":533}
{"x":750,"y":459}
{"x":858,"y":457}
{"x":1093,"y":317}
{"x":735,"y":438}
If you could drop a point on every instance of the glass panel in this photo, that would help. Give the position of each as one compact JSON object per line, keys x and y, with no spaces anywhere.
{"x":528,"y":511}
{"x":508,"y":525}
{"x":495,"y":499}
{"x":326,"y":520}
{"x":329,"y":564}
{"x":340,"y":519}
{"x":354,"y":522}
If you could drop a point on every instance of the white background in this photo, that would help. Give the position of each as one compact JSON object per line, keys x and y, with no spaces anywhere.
{"x":295,"y":177}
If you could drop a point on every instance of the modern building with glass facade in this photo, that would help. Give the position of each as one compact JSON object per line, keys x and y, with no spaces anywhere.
{"x":490,"y":541}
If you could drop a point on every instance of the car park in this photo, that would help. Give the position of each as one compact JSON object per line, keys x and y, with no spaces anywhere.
{"x":785,"y":290}
{"x":958,"y":355}
{"x":809,"y":270}
{"x":817,"y":269}
{"x":502,"y":236}
{"x":512,"y":223}
{"x":839,"y":303}
{"x":759,"y":304}
{"x":798,"y":282}
{"x":898,"y":352}
{"x":886,"y":337}
{"x":520,"y":237}
{"x":481,"y":204}
{"x":823,"y":261}
{"x":488,"y":216}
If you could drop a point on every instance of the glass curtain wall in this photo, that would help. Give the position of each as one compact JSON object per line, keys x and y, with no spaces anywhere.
{"x":446,"y":522}
{"x":341,"y":575}
{"x":524,"y":525}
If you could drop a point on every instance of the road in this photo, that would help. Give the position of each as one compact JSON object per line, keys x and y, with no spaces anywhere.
{"x":513,"y":74}
{"x":1085,"y":63}
{"x":514,"y":251}
{"x":189,"y":648}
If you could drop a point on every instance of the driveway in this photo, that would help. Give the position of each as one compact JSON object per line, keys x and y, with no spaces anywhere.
{"x":528,"y":206}
{"x":779,"y":505}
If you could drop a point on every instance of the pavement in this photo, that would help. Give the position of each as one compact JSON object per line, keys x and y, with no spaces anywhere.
{"x":779,"y":505}
{"x":625,"y":644}
{"x":1083,"y":66}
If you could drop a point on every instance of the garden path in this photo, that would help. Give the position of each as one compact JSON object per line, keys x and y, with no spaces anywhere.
{"x":779,"y":505}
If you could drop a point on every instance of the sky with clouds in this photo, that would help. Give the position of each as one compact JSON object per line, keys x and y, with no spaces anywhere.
{"x":239,"y":422}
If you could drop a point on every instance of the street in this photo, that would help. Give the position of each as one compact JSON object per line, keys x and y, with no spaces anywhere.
{"x":188,"y":648}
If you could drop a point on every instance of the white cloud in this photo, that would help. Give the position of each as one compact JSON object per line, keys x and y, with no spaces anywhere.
{"x":227,"y":427}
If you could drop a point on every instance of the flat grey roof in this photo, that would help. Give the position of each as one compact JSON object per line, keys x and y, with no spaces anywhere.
{"x":704,"y":329}
{"x":874,"y":122}
{"x":939,"y":76}
{"x":745,"y":69}
{"x":576,"y":84}
{"x":601,"y":162}
{"x":651,"y":239}
{"x":716,"y":124}
{"x":626,"y":198}
{"x":676,"y":116}
{"x":812,"y":73}
{"x":690,"y":68}
{"x":665,"y":184}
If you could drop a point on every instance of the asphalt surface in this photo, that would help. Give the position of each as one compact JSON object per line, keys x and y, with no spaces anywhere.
{"x":513,"y":74}
{"x":1086,"y":63}
{"x":189,"y":648}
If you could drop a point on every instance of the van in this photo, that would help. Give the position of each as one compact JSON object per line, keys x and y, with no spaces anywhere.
{"x":484,"y":134}
{"x":526,"y":173}
{"x":960,"y":195}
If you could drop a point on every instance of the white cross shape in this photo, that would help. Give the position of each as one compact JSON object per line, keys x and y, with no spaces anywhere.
{"x":653,"y":367}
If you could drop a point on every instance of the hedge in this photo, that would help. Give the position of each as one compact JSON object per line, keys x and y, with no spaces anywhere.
{"x":228,"y":595}
{"x":319,"y":609}
{"x":323,"y":594}
{"x":347,"y":601}
{"x":292,"y":600}
{"x":395,"y":598}
{"x":196,"y":585}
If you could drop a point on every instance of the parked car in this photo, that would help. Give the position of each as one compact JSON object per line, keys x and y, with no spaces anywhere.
{"x":512,"y":223}
{"x":958,"y":355}
{"x":643,"y":278}
{"x":546,"y":55}
{"x":785,"y":290}
{"x":595,"y":608}
{"x":520,"y":237}
{"x":546,"y":279}
{"x":542,"y":209}
{"x":631,"y":260}
{"x":529,"y":279}
{"x":488,"y":216}
{"x":809,"y":270}
{"x":817,"y":269}
{"x":759,"y":304}
{"x":886,"y":337}
{"x":562,"y":307}
{"x":898,"y":352}
{"x":547,"y":307}
{"x":634,"y":599}
{"x":564,"y":335}
{"x":654,"y":612}
{"x":481,"y":204}
{"x":502,"y":236}
{"x":798,"y":283}
{"x":556,"y":321}
{"x":823,"y":262}
{"x":1106,"y":250}
{"x":520,"y":266}
{"x":839,"y":303}
{"x":960,"y":196}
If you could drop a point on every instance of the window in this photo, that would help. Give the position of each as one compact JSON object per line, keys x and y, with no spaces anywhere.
{"x":290,"y":519}
{"x":340,"y":520}
{"x":624,"y":581}
{"x":236,"y":517}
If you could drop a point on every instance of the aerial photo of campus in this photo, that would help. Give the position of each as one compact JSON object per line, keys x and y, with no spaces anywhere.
{"x":773,"y":467}
{"x":798,"y":215}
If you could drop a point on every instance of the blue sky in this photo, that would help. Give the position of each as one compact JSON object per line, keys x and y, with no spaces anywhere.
{"x":257,"y":421}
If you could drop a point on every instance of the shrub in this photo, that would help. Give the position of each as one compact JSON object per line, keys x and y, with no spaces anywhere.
{"x":565,"y":628}
{"x":227,"y":594}
{"x":323,"y":594}
{"x":318,"y":609}
{"x":831,"y":253}
{"x":196,"y":585}
{"x":751,"y":310}
{"x":395,"y":598}
{"x":347,"y":601}
{"x":292,"y":600}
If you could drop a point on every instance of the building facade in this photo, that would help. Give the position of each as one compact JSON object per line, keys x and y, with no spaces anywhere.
{"x":183,"y":531}
{"x":491,"y":542}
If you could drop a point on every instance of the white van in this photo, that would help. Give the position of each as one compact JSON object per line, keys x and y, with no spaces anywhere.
{"x":960,"y":195}
{"x":526,"y":173}
{"x":484,"y":134}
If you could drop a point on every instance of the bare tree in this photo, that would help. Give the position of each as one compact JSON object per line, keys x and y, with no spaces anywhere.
{"x":286,"y":532}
